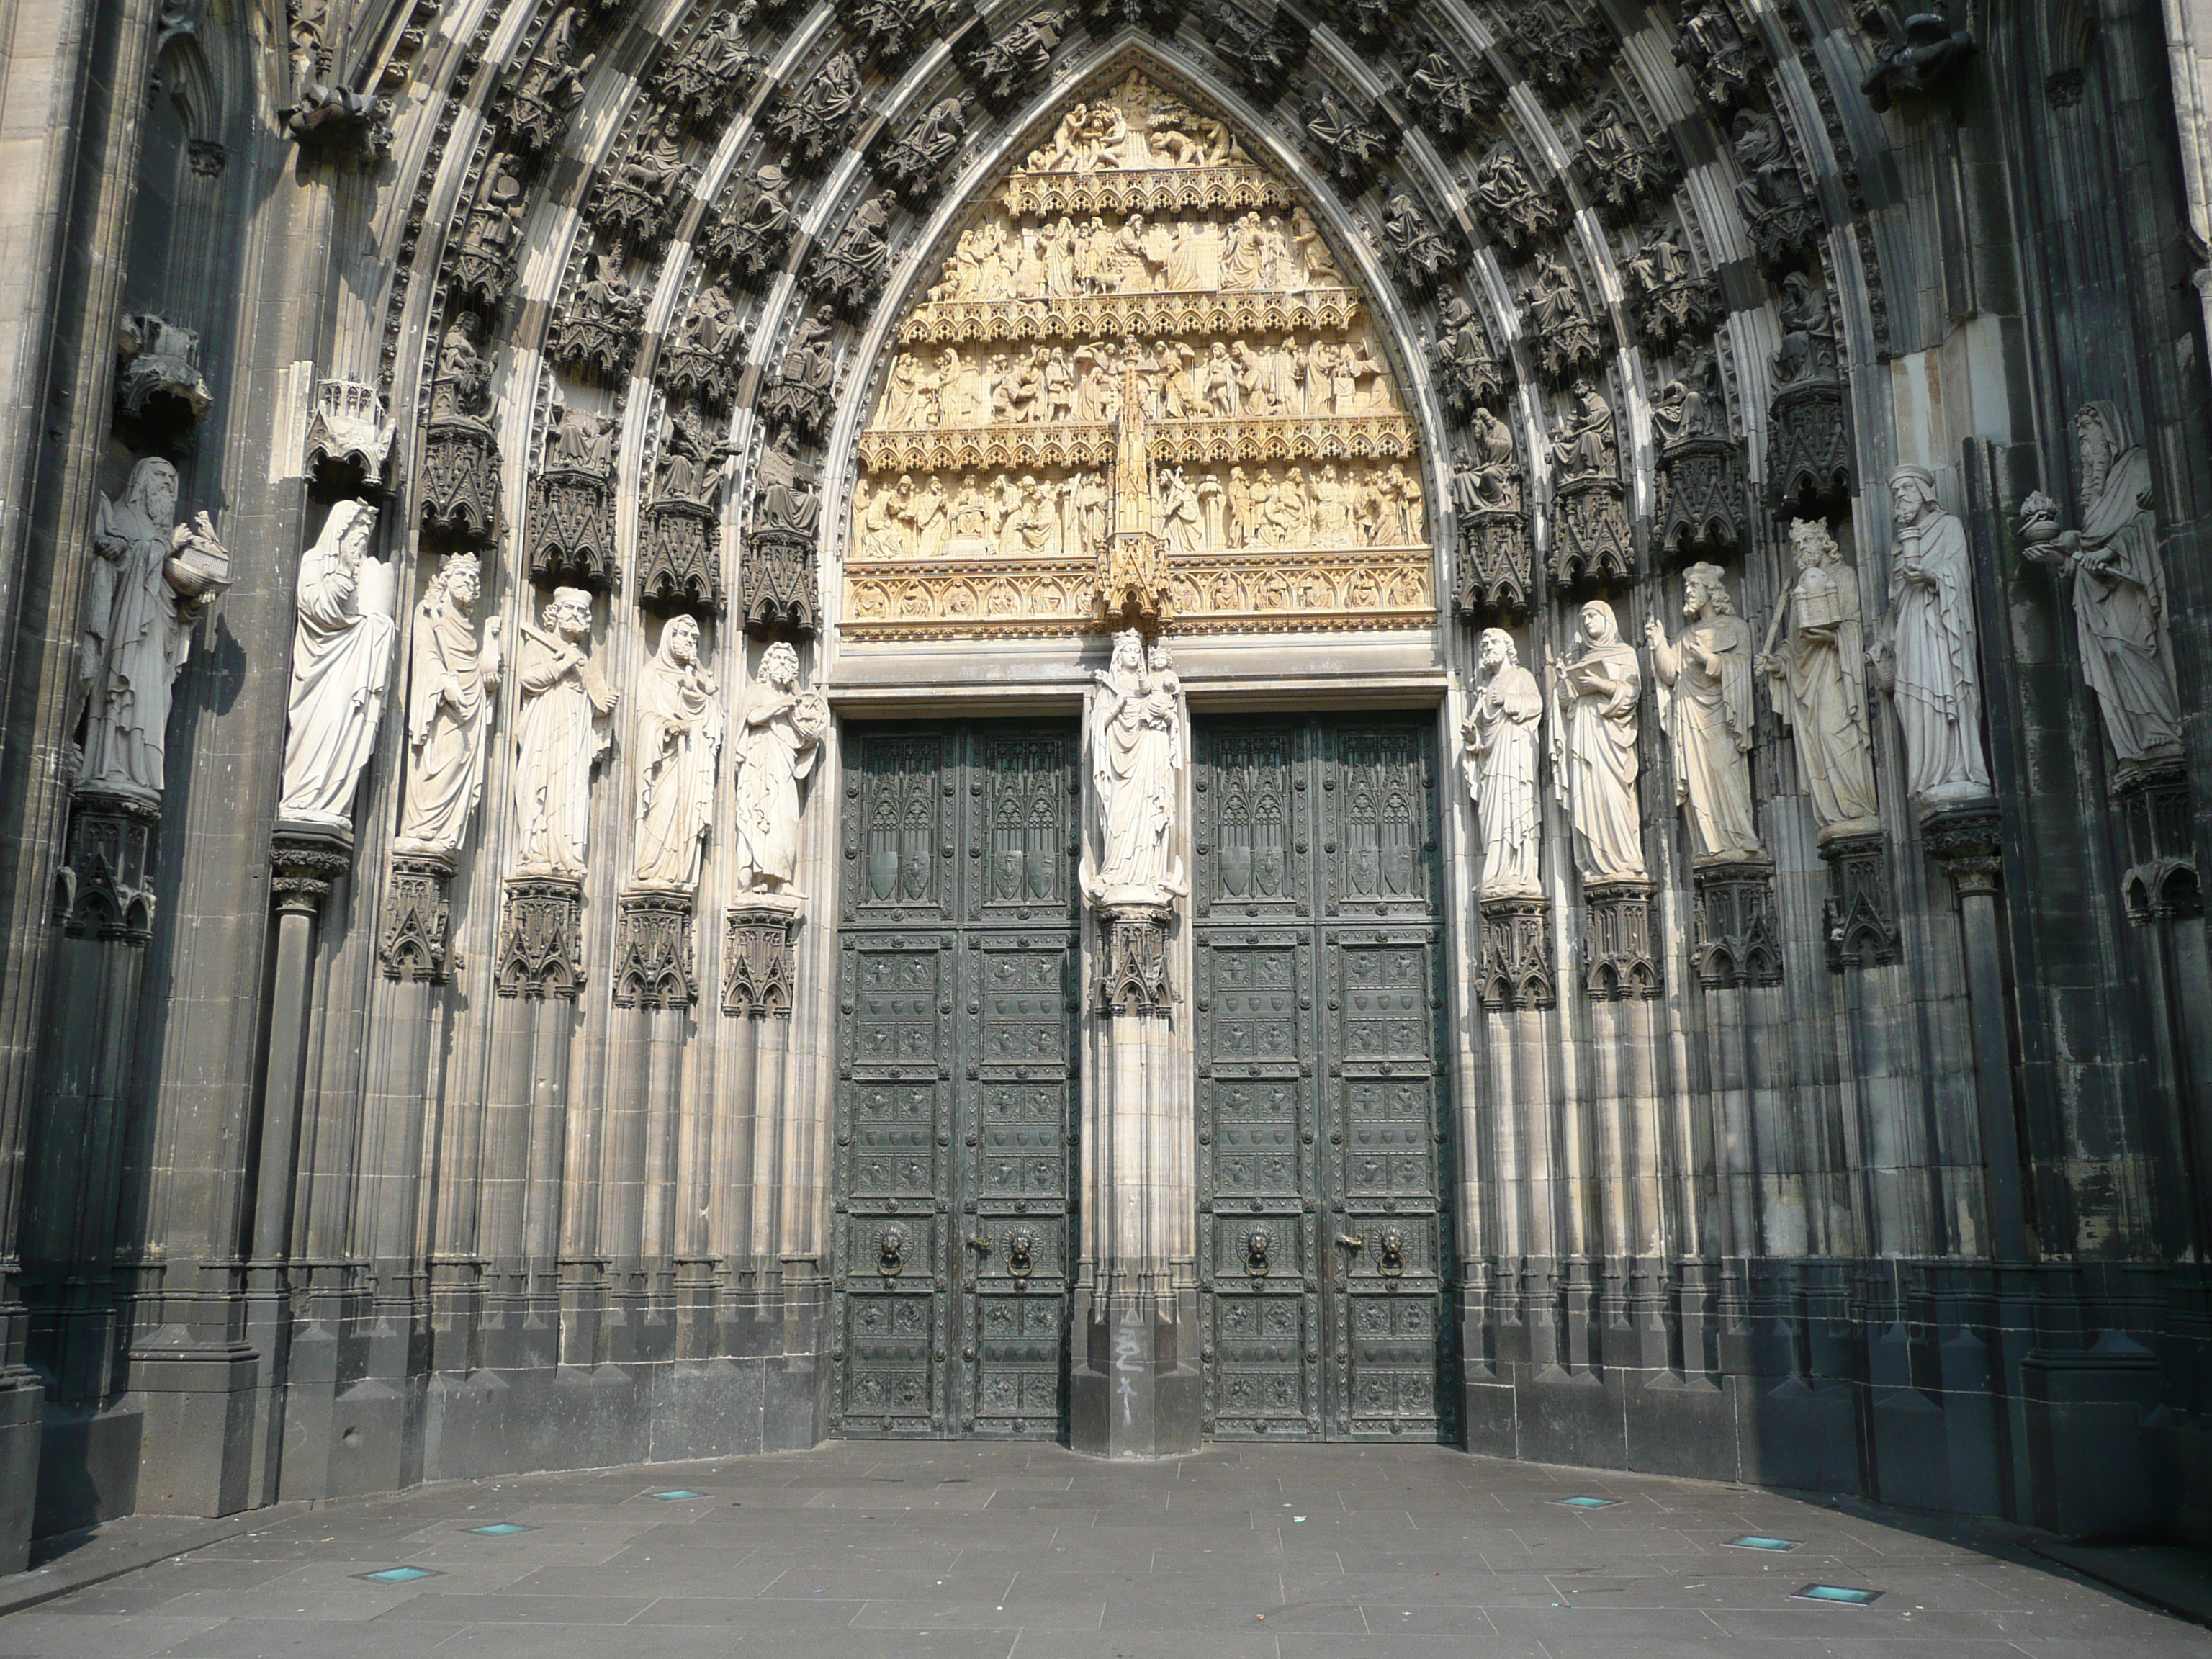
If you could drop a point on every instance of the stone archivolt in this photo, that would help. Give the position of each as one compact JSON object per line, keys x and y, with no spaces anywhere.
{"x":1139,"y":247}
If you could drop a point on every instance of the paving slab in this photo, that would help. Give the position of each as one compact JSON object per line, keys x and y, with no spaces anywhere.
{"x":942,"y":1552}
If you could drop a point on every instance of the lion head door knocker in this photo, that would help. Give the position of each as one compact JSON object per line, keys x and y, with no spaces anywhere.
{"x":891,"y":1252}
{"x":1390,"y":1258}
{"x":1021,"y":1253}
{"x":1256,"y":1243}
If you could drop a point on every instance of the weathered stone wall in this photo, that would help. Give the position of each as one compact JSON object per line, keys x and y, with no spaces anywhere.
{"x":334,"y":1161}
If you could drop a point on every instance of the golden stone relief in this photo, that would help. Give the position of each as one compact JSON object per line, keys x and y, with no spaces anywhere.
{"x":1142,"y":392}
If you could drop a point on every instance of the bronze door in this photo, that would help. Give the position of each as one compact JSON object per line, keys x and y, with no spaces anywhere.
{"x":1325,"y":1252}
{"x":956,"y":1093}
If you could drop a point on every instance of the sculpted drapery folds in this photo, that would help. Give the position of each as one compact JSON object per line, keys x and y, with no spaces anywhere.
{"x":150,"y":576}
{"x":779,"y":738}
{"x":1818,"y":679}
{"x":451,"y":676}
{"x":2119,"y":589}
{"x":559,"y":735}
{"x":1499,"y":740}
{"x":1593,"y":742}
{"x":1926,"y":651}
{"x":1705,"y":707}
{"x":1136,"y":751}
{"x":679,"y":738}
{"x":341,"y":667}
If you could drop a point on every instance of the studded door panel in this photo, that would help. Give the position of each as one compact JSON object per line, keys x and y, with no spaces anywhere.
{"x":954,"y":1081}
{"x":1323,"y":1249}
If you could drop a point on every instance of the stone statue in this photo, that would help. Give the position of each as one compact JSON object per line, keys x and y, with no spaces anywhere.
{"x":2119,"y":589}
{"x":150,"y":578}
{"x":1819,"y":682}
{"x":779,"y":738}
{"x":1499,"y":739}
{"x":341,"y":667}
{"x":1593,"y":742}
{"x":1705,"y":708}
{"x":559,"y":735}
{"x":1925,"y":654}
{"x":1136,"y":750}
{"x":679,"y":738}
{"x":451,"y":677}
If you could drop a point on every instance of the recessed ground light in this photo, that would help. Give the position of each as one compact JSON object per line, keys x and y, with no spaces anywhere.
{"x":1838,"y":1593}
{"x":680,"y":1491}
{"x":398,"y":1575}
{"x":1587,"y":1503}
{"x":1748,"y":1542}
{"x":501,"y":1529}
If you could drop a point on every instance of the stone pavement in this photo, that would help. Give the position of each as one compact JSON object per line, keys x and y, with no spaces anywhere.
{"x":960,"y":1551}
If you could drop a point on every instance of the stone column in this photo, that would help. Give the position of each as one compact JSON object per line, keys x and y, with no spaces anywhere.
{"x":653,"y":989}
{"x":1966,"y":841}
{"x":1134,"y":1388}
{"x":304,"y":864}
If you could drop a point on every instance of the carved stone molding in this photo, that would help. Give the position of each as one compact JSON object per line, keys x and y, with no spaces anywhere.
{"x":460,"y":478}
{"x":1619,"y":962}
{"x":751,"y":237}
{"x":679,"y":563}
{"x":1967,"y":841}
{"x":713,"y":69}
{"x":571,"y":537}
{"x":1263,"y":59}
{"x":417,"y":918}
{"x":777,"y":584}
{"x":1468,"y":375}
{"x":1496,"y":572}
{"x":1005,"y":67}
{"x":1518,"y":970}
{"x":1737,"y":939}
{"x":2161,"y":882}
{"x":1714,"y":53}
{"x":1808,"y":447}
{"x":105,"y":889}
{"x":653,"y":951}
{"x":1589,"y":532}
{"x":1133,"y":976}
{"x":596,"y":333}
{"x":1560,"y":44}
{"x":1859,"y":915}
{"x":483,"y":262}
{"x":337,"y":123}
{"x":919,"y":162}
{"x":541,"y":937}
{"x":1701,"y":498}
{"x":304,"y":864}
{"x":813,"y":116}
{"x":157,"y":374}
{"x":349,"y":439}
{"x":757,"y":958}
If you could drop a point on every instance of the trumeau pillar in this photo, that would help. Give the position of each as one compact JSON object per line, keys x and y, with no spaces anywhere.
{"x":1134,"y":1377}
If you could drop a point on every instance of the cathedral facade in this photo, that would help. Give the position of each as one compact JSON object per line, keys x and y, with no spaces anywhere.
{"x":1143,"y":722}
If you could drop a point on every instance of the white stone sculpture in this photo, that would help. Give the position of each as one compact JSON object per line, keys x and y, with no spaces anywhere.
{"x":1499,"y":739}
{"x":1136,"y":751}
{"x":150,"y":578}
{"x":1818,"y":682}
{"x":1592,"y":740}
{"x":2119,"y":588}
{"x":679,"y":738}
{"x":779,"y":738}
{"x":1925,"y":654}
{"x":451,"y":675}
{"x":340,"y":670}
{"x":1705,"y":709}
{"x":559,"y":735}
